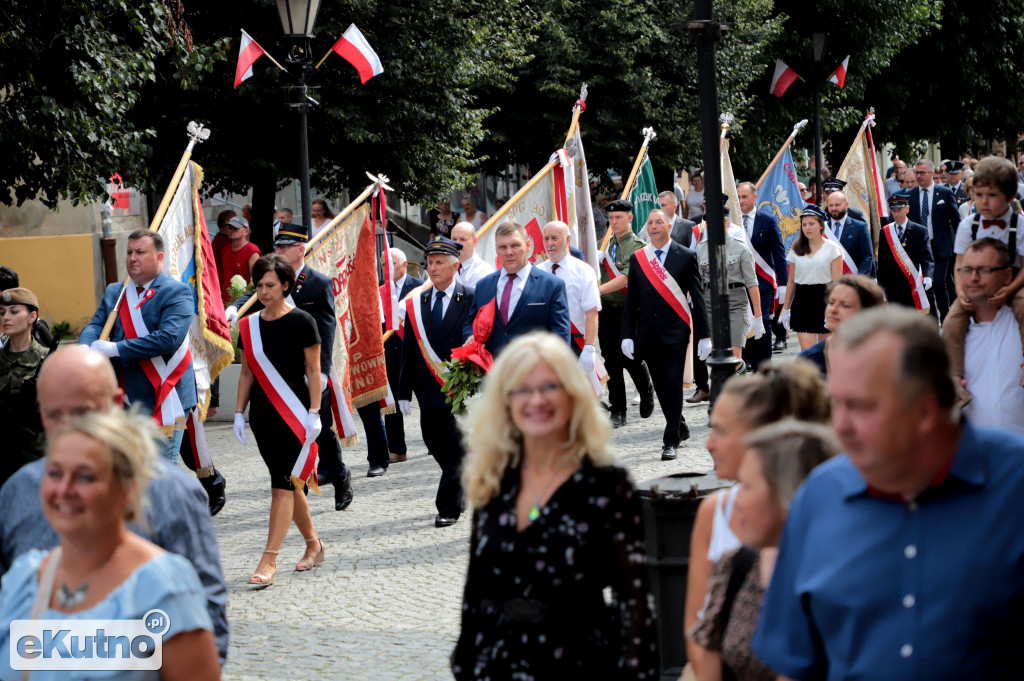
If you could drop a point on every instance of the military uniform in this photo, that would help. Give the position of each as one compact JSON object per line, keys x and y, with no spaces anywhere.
{"x":19,"y":414}
{"x":609,"y":329}
{"x":740,"y":268}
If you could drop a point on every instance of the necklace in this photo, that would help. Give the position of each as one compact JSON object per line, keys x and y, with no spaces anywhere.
{"x":66,"y":600}
{"x":546,"y":491}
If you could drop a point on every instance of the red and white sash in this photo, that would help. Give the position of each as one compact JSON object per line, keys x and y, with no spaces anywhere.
{"x":286,"y":402}
{"x":162,"y":374}
{"x":663,"y":283}
{"x":849,"y":266}
{"x":196,"y":434}
{"x":430,"y":358}
{"x":906,"y":266}
{"x":608,"y":263}
{"x":344,"y":422}
{"x":412,"y":295}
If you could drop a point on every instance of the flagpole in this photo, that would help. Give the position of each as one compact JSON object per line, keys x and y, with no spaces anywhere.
{"x":789,"y":141}
{"x":274,"y":60}
{"x":196,"y":134}
{"x":649,"y":134}
{"x":500,"y":213}
{"x":579,"y":107}
{"x":324,"y":59}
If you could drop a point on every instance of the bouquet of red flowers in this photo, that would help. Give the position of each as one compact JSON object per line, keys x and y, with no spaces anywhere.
{"x":469,"y":363}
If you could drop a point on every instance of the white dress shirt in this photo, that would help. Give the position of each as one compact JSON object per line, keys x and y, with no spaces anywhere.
{"x":837,"y":227}
{"x":963,"y":234}
{"x":750,"y":223}
{"x":581,"y":287}
{"x":473,"y":270}
{"x":517,"y":288}
{"x":992,"y":357}
{"x":448,"y":293}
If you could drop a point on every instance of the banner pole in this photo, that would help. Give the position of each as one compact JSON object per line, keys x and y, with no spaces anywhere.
{"x":579,"y":107}
{"x":500,"y":213}
{"x":789,"y":141}
{"x":649,"y":134}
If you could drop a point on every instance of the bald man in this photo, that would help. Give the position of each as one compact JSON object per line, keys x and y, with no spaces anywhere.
{"x":471,"y":267}
{"x":852,"y":234}
{"x":77,"y":380}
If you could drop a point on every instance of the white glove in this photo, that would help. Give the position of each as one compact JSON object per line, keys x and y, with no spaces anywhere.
{"x":106,"y":347}
{"x":758,"y":327}
{"x":780,"y":294}
{"x":627,"y":348}
{"x":785,"y":319}
{"x":232,"y":315}
{"x":587,"y":359}
{"x":240,"y":428}
{"x":704,"y":347}
{"x":313,"y":427}
{"x":927,"y":283}
{"x":405,"y":406}
{"x":323,"y":381}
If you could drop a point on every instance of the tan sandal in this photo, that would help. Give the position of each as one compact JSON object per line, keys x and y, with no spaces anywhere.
{"x":304,"y":565}
{"x":260,"y":581}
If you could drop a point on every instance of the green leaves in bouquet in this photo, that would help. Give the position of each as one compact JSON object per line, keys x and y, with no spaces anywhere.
{"x":461,"y":380}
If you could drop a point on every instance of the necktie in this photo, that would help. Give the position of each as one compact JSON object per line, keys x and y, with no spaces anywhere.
{"x":139,"y":290}
{"x":615,"y":248}
{"x":438,"y":311}
{"x":925,"y":209}
{"x":899,"y":232}
{"x":554,"y":268}
{"x":658,"y":253}
{"x":506,"y":296}
{"x":986,"y":224}
{"x":746,"y":224}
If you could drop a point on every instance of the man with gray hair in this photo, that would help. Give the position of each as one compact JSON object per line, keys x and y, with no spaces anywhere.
{"x":394,"y":424}
{"x":901,"y":558}
{"x":471,"y":267}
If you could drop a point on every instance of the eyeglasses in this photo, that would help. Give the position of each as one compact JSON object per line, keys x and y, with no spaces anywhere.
{"x":966,"y":271}
{"x":923,"y":172}
{"x":546,"y":390}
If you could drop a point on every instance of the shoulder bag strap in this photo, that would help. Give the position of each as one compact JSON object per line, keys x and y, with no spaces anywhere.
{"x":43,"y":594}
{"x":742,"y":561}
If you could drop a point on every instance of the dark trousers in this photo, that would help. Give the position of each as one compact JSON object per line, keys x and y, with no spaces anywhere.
{"x":609,"y":333}
{"x":331,"y":467}
{"x":443,"y":439}
{"x":376,"y":438}
{"x":394,"y":428}
{"x":700,"y":371}
{"x":667,"y":363}
{"x":943,"y":290}
{"x":394,"y":425}
{"x":759,"y":350}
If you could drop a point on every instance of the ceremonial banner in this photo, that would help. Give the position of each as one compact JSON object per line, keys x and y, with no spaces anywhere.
{"x":189,"y":259}
{"x":347,"y":258}
{"x":643,"y":195}
{"x":533,"y":206}
{"x":729,"y":185}
{"x":779,"y":195}
{"x":584,"y":235}
{"x":860,"y":171}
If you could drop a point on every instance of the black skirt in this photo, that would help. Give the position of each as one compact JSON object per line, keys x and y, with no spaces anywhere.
{"x":807,"y":314}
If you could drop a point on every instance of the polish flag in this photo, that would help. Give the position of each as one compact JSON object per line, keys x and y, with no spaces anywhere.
{"x":248,"y":52}
{"x":354,"y":49}
{"x":839,"y":75}
{"x":783,"y":78}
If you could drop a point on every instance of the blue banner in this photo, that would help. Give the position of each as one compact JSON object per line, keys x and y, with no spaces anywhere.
{"x":779,"y":195}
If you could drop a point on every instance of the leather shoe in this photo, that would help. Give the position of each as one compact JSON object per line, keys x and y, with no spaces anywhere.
{"x":618,"y":420}
{"x":214,"y":486}
{"x":647,"y":405}
{"x":698,"y":396}
{"x":779,"y":346}
{"x":445,"y":520}
{"x":343,"y":491}
{"x":397,"y":458}
{"x":684,"y":431}
{"x":376,"y":471}
{"x":668,"y":453}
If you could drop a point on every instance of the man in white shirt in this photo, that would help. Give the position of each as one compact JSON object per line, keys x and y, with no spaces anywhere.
{"x":993,"y":358}
{"x":581,"y":290}
{"x":471,"y":268}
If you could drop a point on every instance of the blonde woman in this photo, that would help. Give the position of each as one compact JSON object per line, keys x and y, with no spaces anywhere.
{"x":94,"y":481}
{"x":554,"y":525}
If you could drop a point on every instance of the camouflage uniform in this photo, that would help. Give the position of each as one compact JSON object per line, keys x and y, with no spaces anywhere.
{"x":20,"y":423}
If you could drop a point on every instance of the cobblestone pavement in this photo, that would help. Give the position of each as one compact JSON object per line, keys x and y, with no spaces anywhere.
{"x":385,"y":603}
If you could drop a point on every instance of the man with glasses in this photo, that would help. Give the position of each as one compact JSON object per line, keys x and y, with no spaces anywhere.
{"x":893,"y":184}
{"x":934,"y":206}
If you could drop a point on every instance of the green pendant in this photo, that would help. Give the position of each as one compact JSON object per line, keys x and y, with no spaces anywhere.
{"x":534,"y":513}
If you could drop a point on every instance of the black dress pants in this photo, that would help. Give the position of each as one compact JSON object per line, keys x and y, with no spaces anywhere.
{"x":667,"y":364}
{"x":609,"y":333}
{"x":443,"y":439}
{"x":394,"y":424}
{"x":331,"y":467}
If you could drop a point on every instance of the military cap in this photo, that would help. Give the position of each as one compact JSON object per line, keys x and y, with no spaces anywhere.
{"x":619,"y":206}
{"x":833,"y":184}
{"x":812,"y":211}
{"x":238,"y":222}
{"x":19,"y":296}
{"x":954,"y":167}
{"x":292,"y":234}
{"x":440,"y":245}
{"x":900,"y":199}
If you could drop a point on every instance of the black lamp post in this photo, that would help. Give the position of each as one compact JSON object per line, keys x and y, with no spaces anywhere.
{"x":819,"y":40}
{"x":298,"y":18}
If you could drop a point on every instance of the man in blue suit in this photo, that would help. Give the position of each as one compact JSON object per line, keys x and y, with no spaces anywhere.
{"x":852,"y":234}
{"x":834,"y":184}
{"x":764,"y":235}
{"x":527,"y":298}
{"x":394,"y":424}
{"x":934,"y":206}
{"x":166,"y":309}
{"x":434,"y":328}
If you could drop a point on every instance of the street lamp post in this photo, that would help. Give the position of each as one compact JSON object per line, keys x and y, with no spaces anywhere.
{"x":298,"y":18}
{"x":819,"y":40}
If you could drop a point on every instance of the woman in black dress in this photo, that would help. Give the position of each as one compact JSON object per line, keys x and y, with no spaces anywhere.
{"x":291,"y":344}
{"x":556,"y":586}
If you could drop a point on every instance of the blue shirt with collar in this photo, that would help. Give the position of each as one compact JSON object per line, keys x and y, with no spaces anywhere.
{"x":870,"y":588}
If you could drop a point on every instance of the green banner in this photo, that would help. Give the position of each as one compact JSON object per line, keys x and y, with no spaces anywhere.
{"x":643,"y":195}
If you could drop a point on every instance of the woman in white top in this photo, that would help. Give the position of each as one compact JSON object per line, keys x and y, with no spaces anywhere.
{"x":322,"y":214}
{"x":695,"y":197}
{"x":471,"y":215}
{"x":791,"y":390}
{"x":814,"y":262}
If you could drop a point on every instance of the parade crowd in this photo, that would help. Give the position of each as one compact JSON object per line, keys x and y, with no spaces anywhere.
{"x":870,"y":532}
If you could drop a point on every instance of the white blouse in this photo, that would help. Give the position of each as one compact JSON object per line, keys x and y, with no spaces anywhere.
{"x":817,"y":268}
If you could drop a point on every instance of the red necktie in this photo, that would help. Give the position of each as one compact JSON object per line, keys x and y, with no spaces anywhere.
{"x":139,"y":290}
{"x":985,"y":224}
{"x":506,"y":296}
{"x":554,"y":268}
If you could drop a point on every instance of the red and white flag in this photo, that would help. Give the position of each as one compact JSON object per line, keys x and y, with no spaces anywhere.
{"x":783,"y":78}
{"x":839,"y":75}
{"x":353,"y":48}
{"x":248,"y":52}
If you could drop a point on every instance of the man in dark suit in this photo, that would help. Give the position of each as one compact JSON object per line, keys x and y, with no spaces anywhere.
{"x":653,"y":325}
{"x":527,"y":298}
{"x":394,"y":426}
{"x":954,"y":180}
{"x":834,"y":184}
{"x":913,"y":238}
{"x":765,"y":237}
{"x":313,"y":294}
{"x":432,"y":329}
{"x":682,"y":229}
{"x":934,"y":206}
{"x":852,"y":234}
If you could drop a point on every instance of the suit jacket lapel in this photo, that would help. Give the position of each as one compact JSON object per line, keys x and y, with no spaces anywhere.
{"x":452,"y":314}
{"x":524,"y":296}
